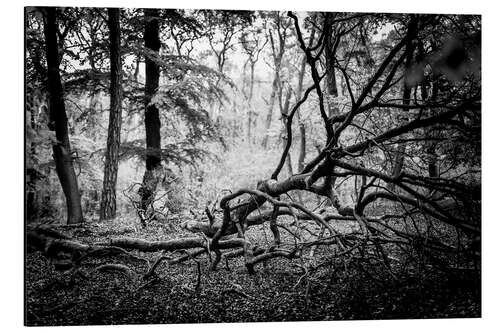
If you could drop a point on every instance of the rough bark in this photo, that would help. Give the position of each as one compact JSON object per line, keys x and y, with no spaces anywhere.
{"x":108,"y":201}
{"x":59,"y":122}
{"x":152,"y":116}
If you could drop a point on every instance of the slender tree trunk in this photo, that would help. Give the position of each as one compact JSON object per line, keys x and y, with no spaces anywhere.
{"x":331,"y":86}
{"x":59,"y":122}
{"x":136,"y":69}
{"x":269,"y":116}
{"x":152,"y":116}
{"x":278,"y":50}
{"x":249,"y":102}
{"x":430,"y":148}
{"x":108,"y":199}
{"x":302,"y":126}
{"x":289,"y":165}
{"x":431,"y":145}
{"x":401,"y":148}
{"x":302,"y":147}
{"x":284,"y":110}
{"x":331,"y":81}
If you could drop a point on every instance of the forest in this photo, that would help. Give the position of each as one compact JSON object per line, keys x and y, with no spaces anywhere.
{"x":195,"y":166}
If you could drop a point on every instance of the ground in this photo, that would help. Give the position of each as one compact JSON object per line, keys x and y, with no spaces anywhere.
{"x":344,"y":288}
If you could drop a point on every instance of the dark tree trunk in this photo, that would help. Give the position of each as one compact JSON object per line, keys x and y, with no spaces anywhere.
{"x":331,"y":81}
{"x":302,"y":147}
{"x":59,"y":122}
{"x":302,"y":126}
{"x":431,"y":146}
{"x":331,"y":91}
{"x":285,"y":107}
{"x":330,"y":58}
{"x":401,"y":148}
{"x":152,"y":116}
{"x":108,"y":199}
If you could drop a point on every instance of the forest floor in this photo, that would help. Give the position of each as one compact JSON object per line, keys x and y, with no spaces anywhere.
{"x":345,"y":288}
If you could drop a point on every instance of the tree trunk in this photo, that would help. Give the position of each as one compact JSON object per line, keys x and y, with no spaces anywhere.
{"x":331,"y":81}
{"x":32,"y":175}
{"x":59,"y":122}
{"x":302,"y":126}
{"x":152,"y":116}
{"x":401,"y":148}
{"x":332,"y":93}
{"x":430,"y":147}
{"x":108,"y":201}
{"x":269,"y":116}
{"x":278,"y":50}
{"x":284,"y":111}
{"x":249,"y":102}
{"x":302,"y":147}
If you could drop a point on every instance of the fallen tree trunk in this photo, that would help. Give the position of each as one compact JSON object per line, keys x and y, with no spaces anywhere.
{"x":51,"y":242}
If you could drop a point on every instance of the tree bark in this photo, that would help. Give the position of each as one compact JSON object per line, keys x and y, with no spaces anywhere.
{"x":329,"y":57}
{"x":302,"y":147}
{"x":430,"y":147}
{"x":332,"y":93}
{"x":284,"y":111}
{"x":433,"y":168}
{"x":269,"y":116}
{"x":401,"y":148}
{"x":331,"y":81}
{"x":249,"y":102}
{"x":152,"y":116}
{"x":108,"y":201}
{"x":59,"y":122}
{"x":302,"y":126}
{"x":278,"y":50}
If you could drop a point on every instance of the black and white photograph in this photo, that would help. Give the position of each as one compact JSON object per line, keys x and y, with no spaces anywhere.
{"x":193,"y":165}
